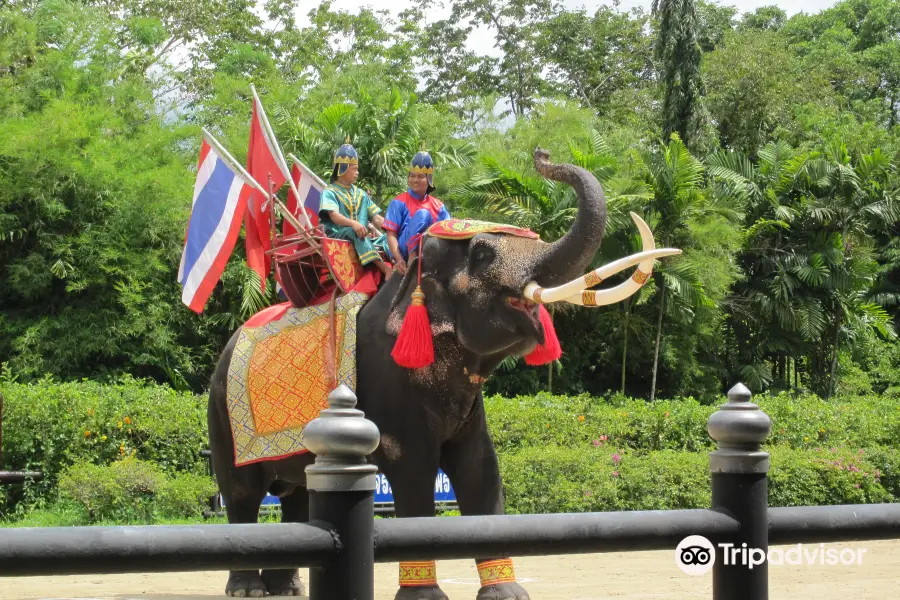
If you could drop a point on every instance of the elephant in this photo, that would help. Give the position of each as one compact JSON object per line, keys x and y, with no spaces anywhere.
{"x":433,"y":417}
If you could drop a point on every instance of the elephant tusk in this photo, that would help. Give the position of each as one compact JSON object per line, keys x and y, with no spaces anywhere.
{"x":627,"y":288}
{"x":575,"y":291}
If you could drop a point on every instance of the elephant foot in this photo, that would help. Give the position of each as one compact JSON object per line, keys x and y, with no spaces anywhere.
{"x":502,"y":591}
{"x":245,"y":584}
{"x":424,"y":592}
{"x":283,"y":582}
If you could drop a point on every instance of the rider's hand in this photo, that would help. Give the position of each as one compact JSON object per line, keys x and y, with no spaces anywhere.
{"x":400,"y":266}
{"x":360,"y":230}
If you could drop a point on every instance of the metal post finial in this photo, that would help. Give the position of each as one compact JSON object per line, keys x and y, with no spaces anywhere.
{"x":341,"y":438}
{"x":739,"y":393}
{"x":739,"y":427}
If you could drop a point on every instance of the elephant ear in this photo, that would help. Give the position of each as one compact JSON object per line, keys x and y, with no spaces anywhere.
{"x":437,"y":300}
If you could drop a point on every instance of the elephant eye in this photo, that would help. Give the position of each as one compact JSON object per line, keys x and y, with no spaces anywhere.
{"x":482,"y":256}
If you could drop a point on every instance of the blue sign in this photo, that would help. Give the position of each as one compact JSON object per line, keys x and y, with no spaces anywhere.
{"x":443,"y":491}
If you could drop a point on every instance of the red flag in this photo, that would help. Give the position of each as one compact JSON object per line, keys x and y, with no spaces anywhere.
{"x":296,"y":175}
{"x":262,"y":165}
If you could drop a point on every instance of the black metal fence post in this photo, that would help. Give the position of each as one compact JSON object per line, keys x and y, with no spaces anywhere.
{"x":739,"y":471}
{"x":342,"y":493}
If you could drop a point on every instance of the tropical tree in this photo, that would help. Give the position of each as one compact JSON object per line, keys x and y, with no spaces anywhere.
{"x":678,"y":54}
{"x":386,"y":132}
{"x":811,"y":273}
{"x":94,"y":199}
{"x":676,"y":178}
{"x":515,"y":25}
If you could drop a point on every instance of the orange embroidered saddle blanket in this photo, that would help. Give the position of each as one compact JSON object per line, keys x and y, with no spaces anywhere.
{"x":280,"y":375}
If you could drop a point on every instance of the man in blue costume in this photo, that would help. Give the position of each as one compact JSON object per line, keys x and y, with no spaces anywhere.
{"x":413,"y":212}
{"x":346,"y":211}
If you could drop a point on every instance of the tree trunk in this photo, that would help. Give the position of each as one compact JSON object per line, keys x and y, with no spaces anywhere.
{"x":794,"y":362}
{"x":550,"y":366}
{"x":625,"y":340}
{"x":550,"y":378}
{"x":893,"y":113}
{"x":834,"y":358}
{"x":662,"y":304}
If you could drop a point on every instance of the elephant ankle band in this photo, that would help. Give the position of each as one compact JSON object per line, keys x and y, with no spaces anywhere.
{"x":493,"y":572}
{"x":414,"y":574}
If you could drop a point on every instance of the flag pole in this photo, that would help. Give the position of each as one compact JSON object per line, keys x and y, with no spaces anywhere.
{"x":233,"y":163}
{"x":246,"y":176}
{"x":311,"y":172}
{"x":267,"y":131}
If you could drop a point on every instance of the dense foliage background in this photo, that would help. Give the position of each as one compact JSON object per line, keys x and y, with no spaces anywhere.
{"x":763,"y":146}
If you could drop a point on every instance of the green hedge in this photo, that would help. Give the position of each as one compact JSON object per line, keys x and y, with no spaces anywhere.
{"x":556,"y":479}
{"x":133,"y":491}
{"x":556,"y":452}
{"x":50,"y":426}
{"x":799,"y":422}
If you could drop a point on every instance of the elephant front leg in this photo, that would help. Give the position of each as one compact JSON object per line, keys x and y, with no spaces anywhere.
{"x":471,"y":464}
{"x":243,"y":509}
{"x":413,"y":489}
{"x":286,"y":582}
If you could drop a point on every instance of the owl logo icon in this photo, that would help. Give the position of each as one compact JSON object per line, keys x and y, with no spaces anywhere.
{"x":695,"y":555}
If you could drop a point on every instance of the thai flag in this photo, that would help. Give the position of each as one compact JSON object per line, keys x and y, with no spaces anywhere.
{"x":220,"y":199}
{"x":310,"y":188}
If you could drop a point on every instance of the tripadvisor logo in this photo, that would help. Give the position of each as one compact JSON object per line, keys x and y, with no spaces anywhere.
{"x":696,"y":555}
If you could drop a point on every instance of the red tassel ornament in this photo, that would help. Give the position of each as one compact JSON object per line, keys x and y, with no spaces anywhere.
{"x":414,"y":348}
{"x":550,"y":350}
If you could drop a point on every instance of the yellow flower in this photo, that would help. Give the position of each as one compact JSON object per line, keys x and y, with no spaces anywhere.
{"x":805,"y":439}
{"x":548,"y":425}
{"x":822,"y":430}
{"x":581,"y":418}
{"x":119,"y":424}
{"x":127,"y":421}
{"x":87,"y":433}
{"x":90,"y":411}
{"x":103,"y":438}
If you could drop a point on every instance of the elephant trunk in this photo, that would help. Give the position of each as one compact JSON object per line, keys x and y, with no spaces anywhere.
{"x":568,"y":257}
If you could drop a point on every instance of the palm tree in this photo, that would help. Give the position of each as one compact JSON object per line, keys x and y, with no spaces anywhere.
{"x":676,"y":178}
{"x":851,"y":203}
{"x":811,"y":275}
{"x":763,"y":313}
{"x":385,"y":132}
{"x":546,"y":206}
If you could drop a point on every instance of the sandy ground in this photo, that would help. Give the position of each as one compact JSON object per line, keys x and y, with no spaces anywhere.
{"x":609,"y":576}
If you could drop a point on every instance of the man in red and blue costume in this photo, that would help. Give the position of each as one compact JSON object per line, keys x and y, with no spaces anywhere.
{"x":411,"y":213}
